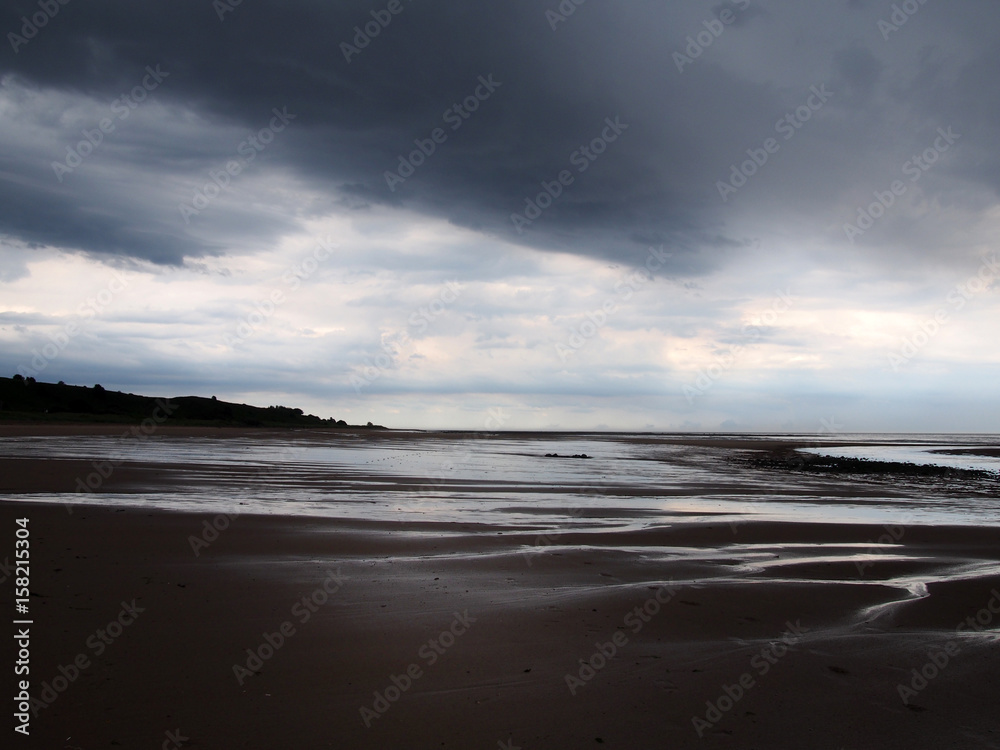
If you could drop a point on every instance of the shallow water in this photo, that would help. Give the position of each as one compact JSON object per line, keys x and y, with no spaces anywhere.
{"x":923,"y":450}
{"x":630,"y":482}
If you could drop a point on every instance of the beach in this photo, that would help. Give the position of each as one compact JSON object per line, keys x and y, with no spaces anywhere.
{"x":360,"y":602}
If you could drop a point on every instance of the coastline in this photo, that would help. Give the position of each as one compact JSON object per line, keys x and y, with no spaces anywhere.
{"x":489,"y":633}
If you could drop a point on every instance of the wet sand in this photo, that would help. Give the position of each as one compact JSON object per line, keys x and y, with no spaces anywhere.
{"x":766,"y":635}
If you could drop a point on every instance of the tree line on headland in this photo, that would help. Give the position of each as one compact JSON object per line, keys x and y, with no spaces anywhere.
{"x":25,"y":399}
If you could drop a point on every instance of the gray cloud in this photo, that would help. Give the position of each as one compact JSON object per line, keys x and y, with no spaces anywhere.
{"x":614,"y":132}
{"x":354,"y":120}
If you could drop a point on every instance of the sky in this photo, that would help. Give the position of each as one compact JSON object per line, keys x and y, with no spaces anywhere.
{"x":759,"y":215}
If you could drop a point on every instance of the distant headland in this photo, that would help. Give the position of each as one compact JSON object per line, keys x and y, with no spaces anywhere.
{"x":26,"y":400}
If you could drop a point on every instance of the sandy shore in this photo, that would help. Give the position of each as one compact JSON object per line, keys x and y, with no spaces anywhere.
{"x":368,"y":634}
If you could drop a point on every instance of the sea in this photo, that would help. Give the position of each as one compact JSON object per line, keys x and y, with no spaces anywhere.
{"x":586,"y":481}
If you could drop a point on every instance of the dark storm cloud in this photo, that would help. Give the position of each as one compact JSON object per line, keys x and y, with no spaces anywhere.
{"x":743,"y":11}
{"x":541,"y":95}
{"x":859,"y":70}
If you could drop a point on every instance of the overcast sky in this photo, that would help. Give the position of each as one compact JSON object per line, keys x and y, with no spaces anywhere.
{"x":753,"y":215}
